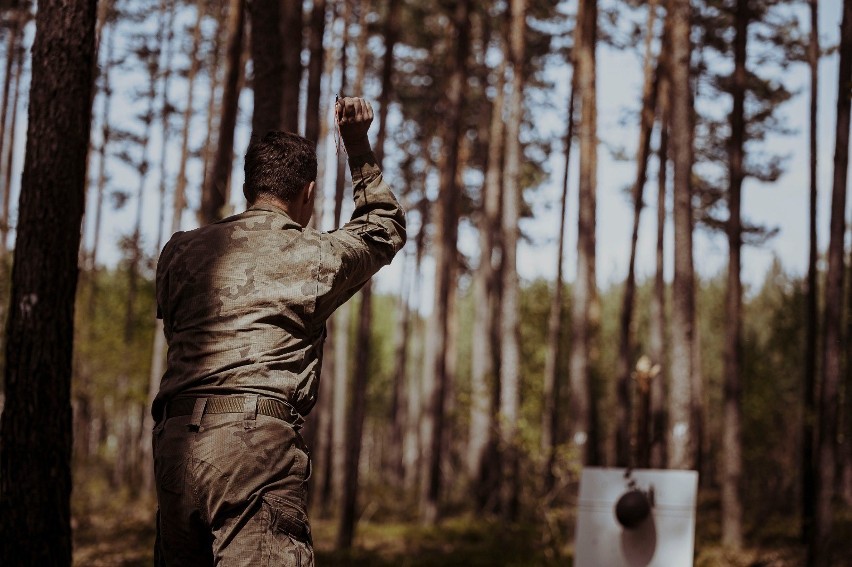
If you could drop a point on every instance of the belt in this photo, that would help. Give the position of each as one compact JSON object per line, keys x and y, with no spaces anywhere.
{"x":235,"y":404}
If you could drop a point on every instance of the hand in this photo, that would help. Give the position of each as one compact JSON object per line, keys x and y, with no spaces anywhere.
{"x":354,"y":116}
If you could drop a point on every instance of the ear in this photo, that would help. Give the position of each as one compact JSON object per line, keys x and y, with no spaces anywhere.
{"x":308,"y":192}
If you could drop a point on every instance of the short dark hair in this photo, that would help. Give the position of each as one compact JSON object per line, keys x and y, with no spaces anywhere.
{"x":280,"y":164}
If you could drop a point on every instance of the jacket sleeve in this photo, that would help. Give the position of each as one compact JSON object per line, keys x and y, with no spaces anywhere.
{"x":351,"y":254}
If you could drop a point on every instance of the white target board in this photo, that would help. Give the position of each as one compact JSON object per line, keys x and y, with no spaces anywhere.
{"x":665,"y":538}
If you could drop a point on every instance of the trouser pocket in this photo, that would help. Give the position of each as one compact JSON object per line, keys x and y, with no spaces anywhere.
{"x":287,"y":541}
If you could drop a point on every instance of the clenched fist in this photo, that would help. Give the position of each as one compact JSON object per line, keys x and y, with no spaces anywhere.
{"x":354,"y":116}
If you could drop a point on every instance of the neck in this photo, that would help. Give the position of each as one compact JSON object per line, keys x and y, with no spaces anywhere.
{"x":292,"y":209}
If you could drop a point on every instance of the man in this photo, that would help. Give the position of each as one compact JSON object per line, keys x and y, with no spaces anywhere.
{"x":244,"y":303}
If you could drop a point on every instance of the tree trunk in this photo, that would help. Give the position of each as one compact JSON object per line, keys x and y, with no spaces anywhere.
{"x":214,"y":196}
{"x":657,"y":435}
{"x":391,"y":37}
{"x":35,"y":428}
{"x":399,"y":394}
{"x":339,"y":325}
{"x":731,"y":434}
{"x":550,"y":415}
{"x":399,"y":401}
{"x":102,"y":173}
{"x":291,"y":36}
{"x":12,"y":69}
{"x":165,"y":114}
{"x":158,"y":352}
{"x":10,"y":150}
{"x":363,"y":342}
{"x":355,"y":422}
{"x":364,"y":7}
{"x":810,"y":381}
{"x":412,"y":441}
{"x":214,"y":58}
{"x":483,"y":375}
{"x":585,"y":291}
{"x":152,"y":64}
{"x":267,"y":55}
{"x":832,"y":350}
{"x":446,"y":224}
{"x":623,"y":448}
{"x":316,"y":119}
{"x":315,"y":70}
{"x":680,"y":438}
{"x":510,"y":348}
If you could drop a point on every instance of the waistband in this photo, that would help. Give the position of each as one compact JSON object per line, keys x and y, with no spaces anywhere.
{"x":236,"y":404}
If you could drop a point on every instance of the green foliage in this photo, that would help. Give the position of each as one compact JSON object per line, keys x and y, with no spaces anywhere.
{"x":102,"y":355}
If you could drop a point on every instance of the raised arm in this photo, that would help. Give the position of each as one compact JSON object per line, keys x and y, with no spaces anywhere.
{"x":376,"y":231}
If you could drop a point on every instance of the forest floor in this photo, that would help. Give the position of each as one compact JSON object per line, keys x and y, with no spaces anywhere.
{"x":107,"y":534}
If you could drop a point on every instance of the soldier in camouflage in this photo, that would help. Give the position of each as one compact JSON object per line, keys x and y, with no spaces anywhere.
{"x":244,"y":303}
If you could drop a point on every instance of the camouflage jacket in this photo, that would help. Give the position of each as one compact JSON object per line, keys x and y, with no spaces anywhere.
{"x":244,"y":300}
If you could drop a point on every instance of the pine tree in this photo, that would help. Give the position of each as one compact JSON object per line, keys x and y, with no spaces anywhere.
{"x":35,"y":430}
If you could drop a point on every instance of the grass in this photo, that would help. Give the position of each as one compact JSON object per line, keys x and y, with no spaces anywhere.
{"x":108,"y":533}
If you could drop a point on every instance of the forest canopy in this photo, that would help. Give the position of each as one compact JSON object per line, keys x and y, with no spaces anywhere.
{"x":628,"y":247}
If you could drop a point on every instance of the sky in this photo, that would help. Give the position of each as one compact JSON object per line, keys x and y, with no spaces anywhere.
{"x":783,"y":204}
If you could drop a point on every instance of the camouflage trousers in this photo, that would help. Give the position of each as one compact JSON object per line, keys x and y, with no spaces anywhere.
{"x":231,"y":489}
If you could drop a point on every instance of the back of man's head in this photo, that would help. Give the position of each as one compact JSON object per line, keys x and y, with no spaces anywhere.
{"x":279,"y":164}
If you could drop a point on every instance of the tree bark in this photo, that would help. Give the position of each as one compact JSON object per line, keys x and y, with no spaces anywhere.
{"x":339,"y":324}
{"x":731,"y":434}
{"x":657,"y":435}
{"x":399,"y":402}
{"x":363,"y":341}
{"x":832,"y":349}
{"x":35,"y":428}
{"x":267,"y":54}
{"x":446,"y":224}
{"x":550,"y":415}
{"x":214,"y":196}
{"x":152,"y":65}
{"x":810,"y":381}
{"x":315,"y":70}
{"x":158,"y":352}
{"x":483,"y":375}
{"x":399,"y":415}
{"x":166,"y":110}
{"x":510,"y":348}
{"x":585,"y":291}
{"x":364,"y":7}
{"x":12,"y":69}
{"x":412,"y":441}
{"x":623,"y":448}
{"x":680,"y":438}
{"x":291,"y":36}
{"x":20,"y":52}
{"x":213,"y":60}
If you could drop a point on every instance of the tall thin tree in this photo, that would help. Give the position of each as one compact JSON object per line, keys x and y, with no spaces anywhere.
{"x":731,"y":435}
{"x":483,"y":374}
{"x":363,"y":341}
{"x":158,"y":351}
{"x":679,"y":436}
{"x":35,"y":428}
{"x":811,"y":311}
{"x":510,"y":367}
{"x":446,"y":224}
{"x":623,"y":451}
{"x":9,"y":158}
{"x":832,"y":348}
{"x":292,"y":24}
{"x":214,"y":195}
{"x":584,"y":300}
{"x":267,"y":55}
{"x":550,"y":415}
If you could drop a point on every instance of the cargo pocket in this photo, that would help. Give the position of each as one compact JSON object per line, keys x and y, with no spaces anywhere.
{"x":287,"y":541}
